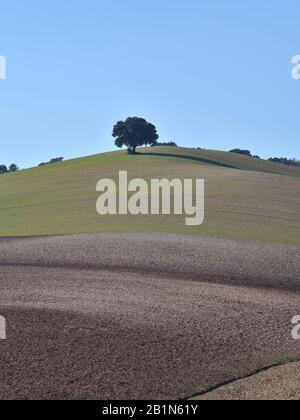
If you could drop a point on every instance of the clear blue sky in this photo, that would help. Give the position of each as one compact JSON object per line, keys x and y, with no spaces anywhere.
{"x":209,"y":73}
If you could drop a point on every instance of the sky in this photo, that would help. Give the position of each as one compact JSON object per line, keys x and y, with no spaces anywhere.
{"x":213,"y":74}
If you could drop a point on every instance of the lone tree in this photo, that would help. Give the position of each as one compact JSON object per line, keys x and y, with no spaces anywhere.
{"x":133,"y":133}
{"x":13,"y":168}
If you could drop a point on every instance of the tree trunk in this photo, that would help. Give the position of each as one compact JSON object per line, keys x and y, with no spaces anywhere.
{"x":131,"y":150}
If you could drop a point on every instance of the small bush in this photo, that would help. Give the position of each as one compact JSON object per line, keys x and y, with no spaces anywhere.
{"x":285,"y":161}
{"x":241,"y":152}
{"x":167,"y":144}
{"x":55,"y":160}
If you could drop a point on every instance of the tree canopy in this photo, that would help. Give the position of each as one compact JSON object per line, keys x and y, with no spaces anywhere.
{"x":12,"y":168}
{"x":134,"y":132}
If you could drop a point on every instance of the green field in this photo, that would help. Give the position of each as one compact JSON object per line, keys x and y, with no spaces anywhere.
{"x":246,"y":198}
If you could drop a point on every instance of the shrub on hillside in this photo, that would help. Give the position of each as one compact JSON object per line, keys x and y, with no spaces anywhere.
{"x":55,"y":160}
{"x":241,"y":152}
{"x":285,"y":161}
{"x":167,"y":144}
{"x":13,"y":168}
{"x":3,"y":169}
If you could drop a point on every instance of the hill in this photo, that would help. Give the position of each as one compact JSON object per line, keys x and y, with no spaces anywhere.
{"x":246,"y":198}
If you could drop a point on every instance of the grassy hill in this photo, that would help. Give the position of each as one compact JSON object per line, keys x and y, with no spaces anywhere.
{"x":246,"y":198}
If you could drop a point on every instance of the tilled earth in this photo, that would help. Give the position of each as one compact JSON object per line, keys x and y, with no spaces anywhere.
{"x":136,"y":316}
{"x":278,"y":383}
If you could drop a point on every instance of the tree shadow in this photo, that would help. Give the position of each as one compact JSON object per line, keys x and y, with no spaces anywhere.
{"x":188,"y":157}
